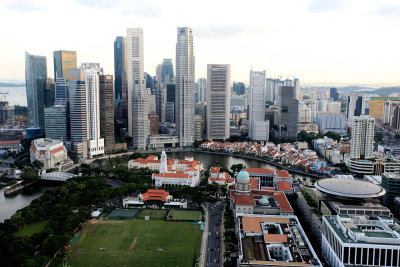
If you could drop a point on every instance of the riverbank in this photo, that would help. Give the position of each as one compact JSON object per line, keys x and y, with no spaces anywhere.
{"x":276,"y":164}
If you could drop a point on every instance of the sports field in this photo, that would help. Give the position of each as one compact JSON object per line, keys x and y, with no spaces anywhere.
{"x":153,"y":214}
{"x":136,"y":243}
{"x":184,"y":215}
{"x":123,"y":214}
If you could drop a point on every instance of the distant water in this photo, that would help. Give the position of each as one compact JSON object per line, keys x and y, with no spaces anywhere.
{"x":15,"y":96}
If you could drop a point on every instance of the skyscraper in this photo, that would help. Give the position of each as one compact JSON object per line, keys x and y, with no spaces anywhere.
{"x":334,"y":94}
{"x":56,"y":122}
{"x":218,"y":101}
{"x":170,"y":103}
{"x":167,"y":72}
{"x":297,"y":87}
{"x":258,"y":127}
{"x":61,"y":94}
{"x":107,"y":111}
{"x":185,"y":77}
{"x":64,"y":61}
{"x":355,"y":106}
{"x":84,"y":97}
{"x":201,"y":88}
{"x":362,"y":137}
{"x":36,"y":79}
{"x":288,"y":110}
{"x":120,"y":84}
{"x":238,"y":88}
{"x":138,"y":123}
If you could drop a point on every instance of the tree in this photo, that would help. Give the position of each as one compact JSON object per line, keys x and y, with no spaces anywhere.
{"x":378,"y":137}
{"x":237,"y":167}
{"x":135,"y":155}
{"x":37,"y":165}
{"x":333,"y":135}
{"x":28,"y":175}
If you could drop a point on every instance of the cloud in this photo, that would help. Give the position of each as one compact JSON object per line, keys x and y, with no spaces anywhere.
{"x":226,"y":31}
{"x":25,"y":5}
{"x":388,"y":11}
{"x":138,"y":7}
{"x":327,"y":5}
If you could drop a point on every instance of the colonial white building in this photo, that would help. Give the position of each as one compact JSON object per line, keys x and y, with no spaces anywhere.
{"x":51,"y":153}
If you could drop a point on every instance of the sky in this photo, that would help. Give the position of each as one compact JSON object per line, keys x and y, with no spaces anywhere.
{"x":324,"y":42}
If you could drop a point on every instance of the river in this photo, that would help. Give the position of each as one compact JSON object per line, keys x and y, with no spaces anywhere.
{"x":9,"y":205}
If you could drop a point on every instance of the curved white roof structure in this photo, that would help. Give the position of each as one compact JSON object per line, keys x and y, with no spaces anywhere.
{"x":349,"y":189}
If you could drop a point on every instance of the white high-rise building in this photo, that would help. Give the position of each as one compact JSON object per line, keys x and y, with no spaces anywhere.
{"x":218,"y":101}
{"x":84,"y":98}
{"x":333,"y":106}
{"x":258,"y":126}
{"x":304,"y":115}
{"x":362,"y":137}
{"x":299,"y":93}
{"x":138,"y":123}
{"x":185,"y":92}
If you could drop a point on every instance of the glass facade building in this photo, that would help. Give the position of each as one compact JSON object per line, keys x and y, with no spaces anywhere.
{"x":36,"y":80}
{"x":64,"y":61}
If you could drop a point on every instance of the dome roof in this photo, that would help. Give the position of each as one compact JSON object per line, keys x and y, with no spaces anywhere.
{"x":263,"y":201}
{"x":243,"y":177}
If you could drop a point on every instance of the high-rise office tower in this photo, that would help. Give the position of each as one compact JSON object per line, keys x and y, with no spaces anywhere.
{"x":258,"y":126}
{"x":36,"y":81}
{"x":355,"y":106}
{"x":201,"y":90}
{"x":64,"y":61}
{"x":49,"y":93}
{"x":334,"y":94}
{"x":297,"y":87}
{"x":138,"y":122}
{"x":201,"y":109}
{"x":61,"y":94}
{"x":288,"y":110}
{"x":56,"y":121}
{"x":277,"y":88}
{"x":218,"y":101}
{"x":269,"y":87}
{"x":167,"y":72}
{"x":238,"y":88}
{"x":120,"y":84}
{"x":170,"y":103}
{"x":185,"y":77}
{"x":107,"y":111}
{"x":159,"y":94}
{"x":396,"y":120}
{"x":198,"y":127}
{"x":362,"y":137}
{"x":84,"y":99}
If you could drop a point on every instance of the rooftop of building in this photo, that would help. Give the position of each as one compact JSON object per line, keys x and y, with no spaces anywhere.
{"x":44,"y":142}
{"x":380,"y":230}
{"x":155,"y":194}
{"x":348,"y":188}
{"x":261,"y":235}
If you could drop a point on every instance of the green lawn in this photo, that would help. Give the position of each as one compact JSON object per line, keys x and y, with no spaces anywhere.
{"x":153,"y":214}
{"x":32,"y":228}
{"x":184,"y":215}
{"x":179,"y":240}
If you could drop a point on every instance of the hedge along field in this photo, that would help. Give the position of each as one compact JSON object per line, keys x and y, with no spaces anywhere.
{"x":136,"y":243}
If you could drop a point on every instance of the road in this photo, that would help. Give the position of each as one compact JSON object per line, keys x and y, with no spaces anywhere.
{"x":215,"y":212}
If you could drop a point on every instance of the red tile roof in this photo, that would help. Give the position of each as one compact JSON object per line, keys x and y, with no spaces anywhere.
{"x":260,"y":170}
{"x":244,"y":200}
{"x":155,"y":194}
{"x":280,"y":173}
{"x":281,"y":199}
{"x":10,"y":142}
{"x":57,"y":150}
{"x":214,"y":170}
{"x":284,"y":186}
{"x":254,"y":183}
{"x":172,"y":175}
